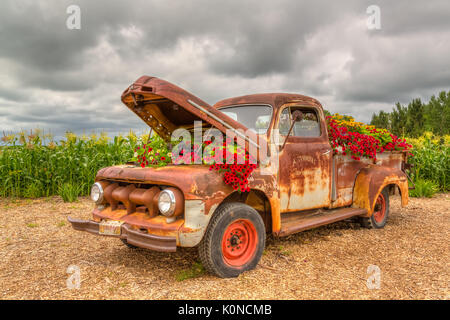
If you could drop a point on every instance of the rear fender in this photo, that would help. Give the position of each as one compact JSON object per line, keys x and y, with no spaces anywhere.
{"x":372,"y":180}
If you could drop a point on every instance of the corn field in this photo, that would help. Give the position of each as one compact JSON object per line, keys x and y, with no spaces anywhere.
{"x":35,"y":165}
{"x":431,"y":161}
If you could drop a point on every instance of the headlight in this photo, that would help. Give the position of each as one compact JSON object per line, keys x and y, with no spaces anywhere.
{"x":167,"y":202}
{"x":97,"y":193}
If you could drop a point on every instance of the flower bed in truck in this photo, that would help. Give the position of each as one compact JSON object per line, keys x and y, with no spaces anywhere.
{"x":360,"y":140}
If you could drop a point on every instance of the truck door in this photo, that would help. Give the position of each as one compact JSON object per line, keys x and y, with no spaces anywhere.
{"x":304,"y":174}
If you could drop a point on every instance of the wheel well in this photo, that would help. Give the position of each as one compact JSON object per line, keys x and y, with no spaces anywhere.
{"x":258,"y":201}
{"x":393,"y":188}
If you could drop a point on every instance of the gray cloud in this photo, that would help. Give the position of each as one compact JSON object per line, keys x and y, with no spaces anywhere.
{"x":64,"y":79}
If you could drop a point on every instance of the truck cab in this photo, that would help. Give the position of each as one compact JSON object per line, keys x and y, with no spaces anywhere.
{"x":299,"y":182}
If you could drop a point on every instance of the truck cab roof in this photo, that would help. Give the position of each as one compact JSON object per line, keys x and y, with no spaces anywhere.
{"x":276,"y":100}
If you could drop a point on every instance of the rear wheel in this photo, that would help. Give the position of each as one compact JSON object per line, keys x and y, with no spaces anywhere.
{"x":380,"y":213}
{"x":234,"y":241}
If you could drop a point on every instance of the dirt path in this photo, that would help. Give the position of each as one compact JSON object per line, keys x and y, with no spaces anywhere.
{"x":37,"y":245}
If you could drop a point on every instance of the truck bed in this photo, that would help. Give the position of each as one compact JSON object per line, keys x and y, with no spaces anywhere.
{"x":345,"y":169}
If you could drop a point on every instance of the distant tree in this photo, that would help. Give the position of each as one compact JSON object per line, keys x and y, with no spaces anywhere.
{"x":381,"y":120}
{"x":374,"y":121}
{"x":417,"y":117}
{"x":398,"y":120}
{"x":438,"y":114}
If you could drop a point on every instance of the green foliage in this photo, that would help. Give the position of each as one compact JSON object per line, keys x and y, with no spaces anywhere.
{"x":431,"y":160}
{"x":195,"y":271}
{"x":326,"y":113}
{"x":69,"y":192}
{"x":61,"y":224}
{"x":34,"y":165}
{"x":417,"y":118}
{"x":152,"y":153}
{"x":427,"y":126}
{"x":424,"y":188}
{"x":33,"y":190}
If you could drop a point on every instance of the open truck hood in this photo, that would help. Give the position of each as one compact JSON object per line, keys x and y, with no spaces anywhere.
{"x":166,"y":107}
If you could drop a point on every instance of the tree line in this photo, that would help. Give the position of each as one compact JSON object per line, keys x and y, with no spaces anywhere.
{"x":417,"y":117}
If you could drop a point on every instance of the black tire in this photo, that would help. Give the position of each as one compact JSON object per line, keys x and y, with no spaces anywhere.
{"x":128,"y":245}
{"x":371,"y":222}
{"x":211,"y":247}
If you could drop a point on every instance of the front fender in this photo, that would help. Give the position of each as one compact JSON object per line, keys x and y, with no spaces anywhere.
{"x":372,"y":180}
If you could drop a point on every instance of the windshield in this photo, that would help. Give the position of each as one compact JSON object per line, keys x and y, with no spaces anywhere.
{"x":254,"y":117}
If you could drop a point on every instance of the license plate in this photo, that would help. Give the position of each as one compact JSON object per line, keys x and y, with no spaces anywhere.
{"x":111,"y":228}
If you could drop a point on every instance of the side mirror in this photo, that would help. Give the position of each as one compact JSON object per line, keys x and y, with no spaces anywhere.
{"x":297,"y":116}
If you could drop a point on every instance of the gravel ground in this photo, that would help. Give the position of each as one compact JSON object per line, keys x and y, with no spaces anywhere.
{"x":37,"y":245}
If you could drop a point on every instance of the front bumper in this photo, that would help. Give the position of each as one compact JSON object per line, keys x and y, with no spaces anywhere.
{"x":132,"y":236}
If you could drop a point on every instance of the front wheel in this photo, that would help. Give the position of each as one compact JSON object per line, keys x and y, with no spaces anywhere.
{"x":380,"y":213}
{"x":234,"y":241}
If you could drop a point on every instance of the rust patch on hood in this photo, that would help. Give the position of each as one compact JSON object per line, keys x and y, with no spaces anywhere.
{"x":195,"y":181}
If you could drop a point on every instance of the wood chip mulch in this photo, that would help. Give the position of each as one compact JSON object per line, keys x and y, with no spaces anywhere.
{"x":37,"y":245}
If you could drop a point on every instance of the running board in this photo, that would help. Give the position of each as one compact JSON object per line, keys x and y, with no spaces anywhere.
{"x":299,"y":221}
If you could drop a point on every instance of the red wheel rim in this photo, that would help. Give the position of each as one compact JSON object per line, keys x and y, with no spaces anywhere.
{"x":239,"y":243}
{"x":380,"y":209}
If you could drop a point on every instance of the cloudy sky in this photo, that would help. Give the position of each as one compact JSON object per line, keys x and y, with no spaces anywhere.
{"x":59,"y":79}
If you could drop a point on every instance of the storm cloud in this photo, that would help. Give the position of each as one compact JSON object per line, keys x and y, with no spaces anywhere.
{"x":60,"y":79}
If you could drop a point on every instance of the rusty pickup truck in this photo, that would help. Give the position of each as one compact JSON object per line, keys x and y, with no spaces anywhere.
{"x":162,"y":208}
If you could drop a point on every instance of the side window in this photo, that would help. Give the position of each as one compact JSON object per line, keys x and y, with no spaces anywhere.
{"x":309,"y":126}
{"x":285,"y":122}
